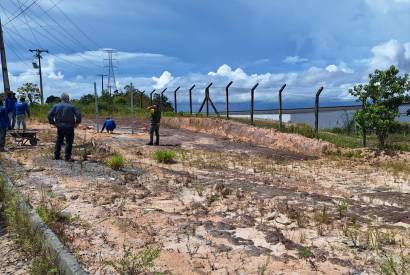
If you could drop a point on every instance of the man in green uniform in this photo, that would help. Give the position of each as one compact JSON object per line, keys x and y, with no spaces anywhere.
{"x":155,"y":122}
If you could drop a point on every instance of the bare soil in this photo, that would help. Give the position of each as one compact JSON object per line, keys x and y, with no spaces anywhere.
{"x":223,"y":207}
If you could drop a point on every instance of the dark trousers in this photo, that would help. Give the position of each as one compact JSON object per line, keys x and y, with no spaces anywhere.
{"x":66,"y":134}
{"x":2,"y":138}
{"x":154,"y":129}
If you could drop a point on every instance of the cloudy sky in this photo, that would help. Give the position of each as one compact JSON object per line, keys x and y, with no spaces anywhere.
{"x":170,"y":43}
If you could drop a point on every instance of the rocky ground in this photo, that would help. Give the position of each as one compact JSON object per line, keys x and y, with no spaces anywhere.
{"x":223,"y":207}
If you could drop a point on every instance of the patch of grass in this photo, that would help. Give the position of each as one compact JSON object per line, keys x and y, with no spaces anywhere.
{"x":28,"y":240}
{"x":396,"y":167}
{"x":130,"y":263}
{"x":305,"y":253}
{"x":116,"y":162}
{"x":395,"y":265}
{"x":164,"y":156}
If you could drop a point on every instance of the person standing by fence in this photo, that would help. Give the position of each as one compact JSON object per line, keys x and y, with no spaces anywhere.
{"x":65,"y":117}
{"x":4,"y":125}
{"x":21,"y":109}
{"x":155,"y":122}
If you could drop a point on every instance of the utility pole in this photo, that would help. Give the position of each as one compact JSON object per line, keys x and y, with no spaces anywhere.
{"x":102,"y":81}
{"x":38,"y":56}
{"x":6,"y":83}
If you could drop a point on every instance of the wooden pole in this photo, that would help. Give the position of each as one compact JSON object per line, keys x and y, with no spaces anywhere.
{"x":6,"y":82}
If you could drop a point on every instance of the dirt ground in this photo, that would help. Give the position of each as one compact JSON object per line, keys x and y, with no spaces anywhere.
{"x":223,"y":207}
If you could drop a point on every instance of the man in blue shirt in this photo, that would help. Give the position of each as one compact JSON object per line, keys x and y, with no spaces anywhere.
{"x":4,"y":125}
{"x":109,"y":124}
{"x":65,"y":117}
{"x":21,"y":109}
{"x":9,"y":103}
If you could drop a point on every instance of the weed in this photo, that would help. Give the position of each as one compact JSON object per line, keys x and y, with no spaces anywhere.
{"x":342,"y":207}
{"x":305,"y":253}
{"x":264,"y":267}
{"x":141,"y":263}
{"x":395,"y":265}
{"x":199,"y":188}
{"x":116,"y":162}
{"x":164,"y":156}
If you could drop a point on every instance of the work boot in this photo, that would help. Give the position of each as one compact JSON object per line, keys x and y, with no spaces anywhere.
{"x":150,"y":144}
{"x":56,"y":158}
{"x":69,"y":160}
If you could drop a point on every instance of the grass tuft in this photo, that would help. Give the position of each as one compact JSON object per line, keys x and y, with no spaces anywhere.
{"x":164,"y":156}
{"x":116,"y":162}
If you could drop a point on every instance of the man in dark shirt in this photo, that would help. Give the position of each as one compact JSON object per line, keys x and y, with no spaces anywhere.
{"x":155,"y":122}
{"x":65,"y":117}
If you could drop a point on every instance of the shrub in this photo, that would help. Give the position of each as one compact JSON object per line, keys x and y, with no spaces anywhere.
{"x":164,"y":156}
{"x":116,"y":162}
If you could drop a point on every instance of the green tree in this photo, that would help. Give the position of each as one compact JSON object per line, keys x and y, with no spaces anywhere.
{"x":30,"y":91}
{"x":381,"y":99}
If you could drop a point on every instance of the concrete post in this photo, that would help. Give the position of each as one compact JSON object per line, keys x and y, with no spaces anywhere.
{"x":280,"y":106}
{"x":317,"y":109}
{"x":150,"y":97}
{"x":96,"y":107}
{"x":190,"y":99}
{"x":175,"y":100}
{"x":253,"y":100}
{"x":227,"y":98}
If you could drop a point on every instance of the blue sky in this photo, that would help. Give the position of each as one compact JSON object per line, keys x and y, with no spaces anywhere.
{"x":170,"y":43}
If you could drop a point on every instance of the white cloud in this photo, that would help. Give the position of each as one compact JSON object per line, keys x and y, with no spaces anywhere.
{"x":163,"y":80}
{"x":294,"y":60}
{"x":390,"y":53}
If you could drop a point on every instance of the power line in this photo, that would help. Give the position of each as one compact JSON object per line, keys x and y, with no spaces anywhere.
{"x":75,"y":25}
{"x":55,"y":38}
{"x":57,"y":41}
{"x":20,"y":13}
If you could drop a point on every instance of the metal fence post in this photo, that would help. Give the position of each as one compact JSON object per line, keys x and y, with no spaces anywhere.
{"x":364,"y":125}
{"x":207,"y":98}
{"x":317,"y":109}
{"x":150,"y":97}
{"x":227,"y":99}
{"x":175,"y":100}
{"x":190,"y":99}
{"x":141,"y":98}
{"x":96,"y":107}
{"x":162,"y":98}
{"x":280,"y":106}
{"x":132,"y":108}
{"x":253,"y":100}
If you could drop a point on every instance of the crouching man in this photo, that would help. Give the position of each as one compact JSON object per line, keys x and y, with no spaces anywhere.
{"x":65,"y":117}
{"x":109,"y":125}
{"x":4,"y":125}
